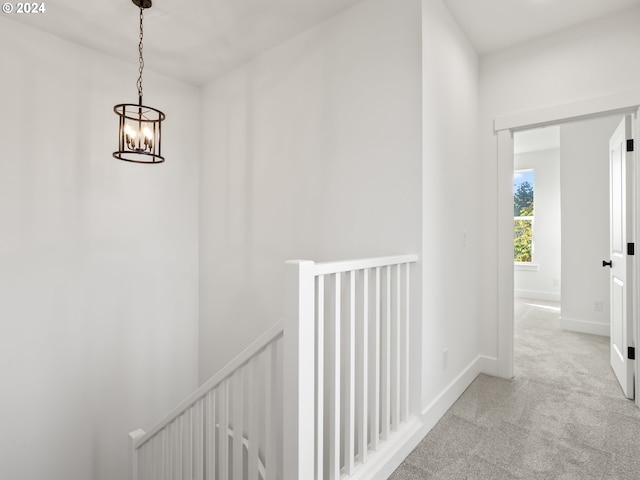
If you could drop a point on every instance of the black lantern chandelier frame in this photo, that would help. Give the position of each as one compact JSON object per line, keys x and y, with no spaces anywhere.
{"x":140,"y":127}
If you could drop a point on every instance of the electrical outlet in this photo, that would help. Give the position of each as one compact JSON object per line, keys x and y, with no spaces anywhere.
{"x":445,"y":358}
{"x":597,"y":305}
{"x":464,"y":238}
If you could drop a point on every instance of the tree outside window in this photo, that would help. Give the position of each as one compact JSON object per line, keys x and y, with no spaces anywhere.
{"x":523,"y":206}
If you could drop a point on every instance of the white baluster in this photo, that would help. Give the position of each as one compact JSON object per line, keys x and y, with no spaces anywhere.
{"x":180,"y":448}
{"x":223,"y":459}
{"x":238,"y":427}
{"x":363,"y":371}
{"x":170,"y":450}
{"x":210,"y":432}
{"x":397,"y":354}
{"x":334,"y":413}
{"x":407,"y":345}
{"x":188,"y":439}
{"x":386,"y":359}
{"x":199,"y":456}
{"x":253,"y":431}
{"x":377,"y":393}
{"x":320,"y":359}
{"x":271,"y":451}
{"x":349,"y":427}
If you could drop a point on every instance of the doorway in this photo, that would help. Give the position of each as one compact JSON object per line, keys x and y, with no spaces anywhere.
{"x":505,"y":128}
{"x":561,"y":180}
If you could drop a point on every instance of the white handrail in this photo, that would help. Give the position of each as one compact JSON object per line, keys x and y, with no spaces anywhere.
{"x":269,"y":336}
{"x":360,"y":264}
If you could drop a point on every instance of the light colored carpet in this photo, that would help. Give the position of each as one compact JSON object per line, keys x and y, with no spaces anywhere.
{"x":563,"y":416}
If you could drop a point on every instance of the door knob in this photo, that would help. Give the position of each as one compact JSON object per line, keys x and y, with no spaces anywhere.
{"x":605,"y":263}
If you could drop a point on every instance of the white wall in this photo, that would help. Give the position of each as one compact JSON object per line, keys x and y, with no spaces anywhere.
{"x":318,"y":152}
{"x":98,"y":261}
{"x":543,"y":283}
{"x":314,"y":152}
{"x":585,"y":223}
{"x":590,"y":60}
{"x":450,"y":202}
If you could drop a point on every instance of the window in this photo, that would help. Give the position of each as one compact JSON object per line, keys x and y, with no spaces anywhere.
{"x":523,"y":193}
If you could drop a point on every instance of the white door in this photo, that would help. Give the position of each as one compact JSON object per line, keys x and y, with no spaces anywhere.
{"x":621,"y":229}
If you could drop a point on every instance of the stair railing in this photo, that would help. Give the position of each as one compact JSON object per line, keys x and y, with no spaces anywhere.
{"x":346,"y":363}
{"x":321,"y":396}
{"x":227,"y":429}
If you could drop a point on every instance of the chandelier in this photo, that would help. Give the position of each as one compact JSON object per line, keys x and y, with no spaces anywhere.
{"x":139,"y":126}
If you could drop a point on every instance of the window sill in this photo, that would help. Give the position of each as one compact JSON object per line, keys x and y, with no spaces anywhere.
{"x":526,"y":267}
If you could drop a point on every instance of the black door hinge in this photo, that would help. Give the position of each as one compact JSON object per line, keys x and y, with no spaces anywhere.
{"x":631,"y":248}
{"x":631,"y":353}
{"x":630,"y":145}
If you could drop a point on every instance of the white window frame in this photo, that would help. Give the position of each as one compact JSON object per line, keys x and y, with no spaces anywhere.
{"x":528,"y":266}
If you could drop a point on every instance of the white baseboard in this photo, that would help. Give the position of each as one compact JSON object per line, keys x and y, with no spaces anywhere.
{"x":403,"y":442}
{"x":537,"y":295}
{"x":382,"y":464}
{"x":436,"y":409}
{"x":488,"y":365}
{"x":584,"y":326}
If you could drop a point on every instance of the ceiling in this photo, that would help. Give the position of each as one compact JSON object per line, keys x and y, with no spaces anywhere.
{"x":495,"y":24}
{"x":544,"y":138}
{"x":199,"y":39}
{"x":191,"y":40}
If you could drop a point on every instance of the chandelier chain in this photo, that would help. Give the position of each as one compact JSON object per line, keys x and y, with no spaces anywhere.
{"x":141,"y":59}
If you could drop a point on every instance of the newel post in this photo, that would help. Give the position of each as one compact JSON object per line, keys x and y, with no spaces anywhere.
{"x":299,"y":370}
{"x":134,"y":453}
